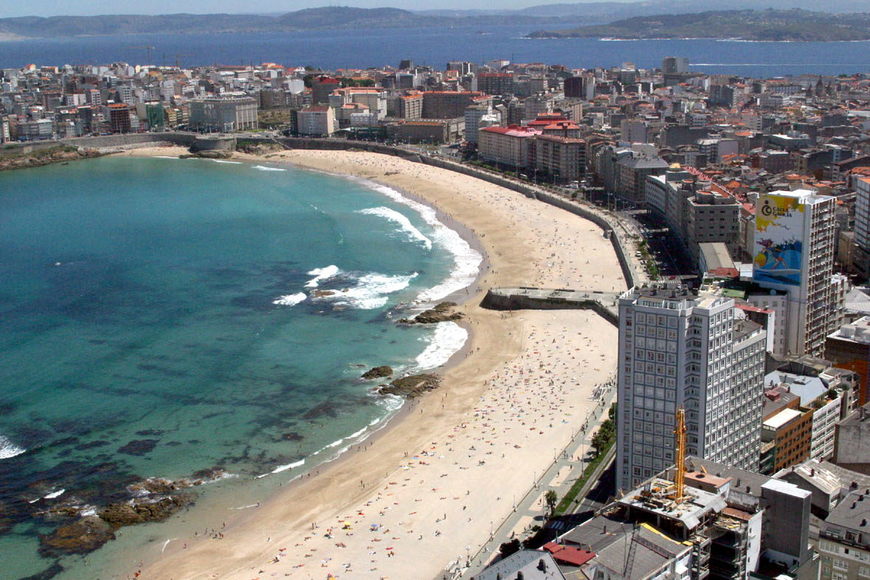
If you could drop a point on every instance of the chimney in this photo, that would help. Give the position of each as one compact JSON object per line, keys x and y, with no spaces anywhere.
{"x":812,"y":472}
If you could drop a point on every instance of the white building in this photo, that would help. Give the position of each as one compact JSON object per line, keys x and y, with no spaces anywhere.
{"x":794,"y":252}
{"x":862,"y":223}
{"x":231,"y":113}
{"x":695,"y":351}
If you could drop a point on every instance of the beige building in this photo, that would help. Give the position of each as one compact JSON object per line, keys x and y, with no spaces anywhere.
{"x":562,"y":158}
{"x":316,"y":121}
{"x":510,"y":146}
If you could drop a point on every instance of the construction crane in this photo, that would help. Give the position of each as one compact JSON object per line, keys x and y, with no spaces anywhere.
{"x":178,"y":59}
{"x":680,"y":468}
{"x":146,"y":48}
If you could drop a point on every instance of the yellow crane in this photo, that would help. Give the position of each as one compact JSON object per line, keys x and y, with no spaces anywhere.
{"x":680,"y":468}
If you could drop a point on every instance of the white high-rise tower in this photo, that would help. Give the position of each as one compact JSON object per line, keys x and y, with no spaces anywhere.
{"x":794,"y":252}
{"x":677,"y":348}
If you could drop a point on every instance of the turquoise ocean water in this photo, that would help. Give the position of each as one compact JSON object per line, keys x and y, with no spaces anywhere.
{"x":163,"y":316}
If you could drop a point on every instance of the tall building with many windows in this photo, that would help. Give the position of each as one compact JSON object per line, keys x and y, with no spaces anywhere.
{"x":677,"y":348}
{"x":795,"y":243}
{"x":862,"y":224}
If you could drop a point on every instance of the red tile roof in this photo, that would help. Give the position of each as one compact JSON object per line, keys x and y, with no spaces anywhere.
{"x":568,"y":554}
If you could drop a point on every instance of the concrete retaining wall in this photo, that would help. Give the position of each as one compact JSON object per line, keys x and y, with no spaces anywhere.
{"x":131,"y":140}
{"x":520,"y":302}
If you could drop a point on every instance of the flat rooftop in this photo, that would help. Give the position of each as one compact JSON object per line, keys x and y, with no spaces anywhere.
{"x":695,"y":504}
{"x":782,"y":418}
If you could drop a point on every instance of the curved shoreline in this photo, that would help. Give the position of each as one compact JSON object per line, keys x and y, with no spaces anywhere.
{"x":499,"y":342}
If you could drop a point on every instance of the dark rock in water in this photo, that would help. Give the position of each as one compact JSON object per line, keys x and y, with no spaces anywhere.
{"x":155,"y":485}
{"x":151,"y":432}
{"x":138,"y":447}
{"x":411,"y":386}
{"x":80,"y":537}
{"x":6,"y":520}
{"x":46,"y":574}
{"x":209,"y":474}
{"x":378,"y":372}
{"x":64,"y":441}
{"x":292,"y":436}
{"x":91,"y":445}
{"x":140,"y":511}
{"x":63,"y":511}
{"x":442,"y":312}
{"x":322,"y":293}
{"x":323,"y":409}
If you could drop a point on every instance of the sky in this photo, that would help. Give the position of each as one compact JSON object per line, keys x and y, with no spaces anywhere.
{"x":9,"y":8}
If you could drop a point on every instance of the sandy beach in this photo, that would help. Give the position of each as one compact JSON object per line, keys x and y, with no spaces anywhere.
{"x":429,"y":491}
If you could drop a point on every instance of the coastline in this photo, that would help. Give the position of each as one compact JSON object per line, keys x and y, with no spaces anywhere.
{"x":497,"y":341}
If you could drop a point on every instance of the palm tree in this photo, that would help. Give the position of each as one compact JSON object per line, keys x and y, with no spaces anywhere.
{"x":551,"y":498}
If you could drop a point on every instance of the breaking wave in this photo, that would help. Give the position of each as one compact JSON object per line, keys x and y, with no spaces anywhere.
{"x":290,"y":299}
{"x":403,"y":222}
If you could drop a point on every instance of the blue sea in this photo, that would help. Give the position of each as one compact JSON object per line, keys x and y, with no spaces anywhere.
{"x":164,"y":316}
{"x":436,"y":45}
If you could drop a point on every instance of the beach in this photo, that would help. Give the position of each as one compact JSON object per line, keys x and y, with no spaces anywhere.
{"x":428,"y":491}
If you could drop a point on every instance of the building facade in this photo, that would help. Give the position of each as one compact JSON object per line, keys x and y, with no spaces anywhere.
{"x":681,"y":349}
{"x":224,"y":114}
{"x":794,"y":252}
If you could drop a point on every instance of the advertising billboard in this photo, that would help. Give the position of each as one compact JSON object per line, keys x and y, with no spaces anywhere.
{"x":779,"y":234}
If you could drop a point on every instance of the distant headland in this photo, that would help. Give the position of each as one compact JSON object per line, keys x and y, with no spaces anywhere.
{"x":757,"y":25}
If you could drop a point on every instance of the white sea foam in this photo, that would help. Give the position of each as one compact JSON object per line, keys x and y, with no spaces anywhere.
{"x":371,"y":291}
{"x":403,"y":222}
{"x":293,"y":465}
{"x":321,"y":274}
{"x":390,"y":403}
{"x":224,"y":161}
{"x":265,"y":168}
{"x":466,"y":260}
{"x":290,"y":299}
{"x":54,"y":494}
{"x":166,"y":157}
{"x":448,"y":338}
{"x":8,"y":449}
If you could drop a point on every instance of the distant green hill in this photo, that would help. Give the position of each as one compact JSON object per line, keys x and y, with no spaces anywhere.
{"x":792,"y":25}
{"x":334,"y":17}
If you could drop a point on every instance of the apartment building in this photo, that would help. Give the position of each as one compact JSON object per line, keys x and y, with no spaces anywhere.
{"x":232,"y":113}
{"x":509,"y":146}
{"x":317,"y":121}
{"x":678,"y":348}
{"x":794,"y":252}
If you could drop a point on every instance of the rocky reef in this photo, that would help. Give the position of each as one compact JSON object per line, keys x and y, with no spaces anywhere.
{"x":14,"y":157}
{"x":411,"y":386}
{"x":153,"y":500}
{"x":442,"y":312}
{"x":378,"y":373}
